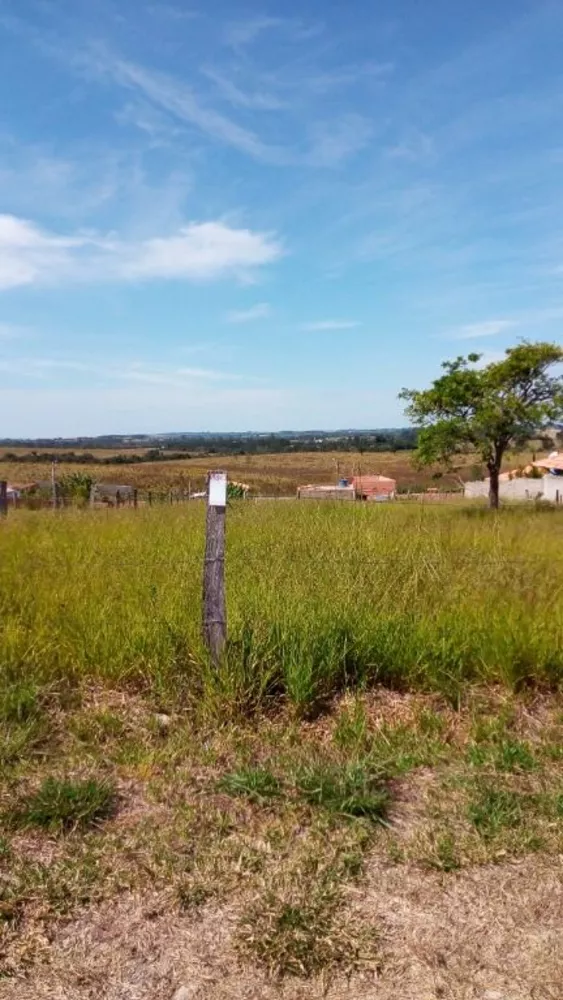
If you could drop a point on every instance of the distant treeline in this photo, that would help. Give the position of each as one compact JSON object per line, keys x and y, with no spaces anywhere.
{"x":166,"y":449}
{"x":277,"y":444}
{"x":87,"y":458}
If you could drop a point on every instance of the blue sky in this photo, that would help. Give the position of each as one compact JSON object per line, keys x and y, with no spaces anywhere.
{"x":234,"y":216}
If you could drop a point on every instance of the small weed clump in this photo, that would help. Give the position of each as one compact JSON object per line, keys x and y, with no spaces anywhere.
{"x":295,"y":926}
{"x":353,"y":790}
{"x":20,"y":702}
{"x":256,"y":784}
{"x":494,"y":809}
{"x":506,"y":755}
{"x":59,"y":806}
{"x":350,"y":790}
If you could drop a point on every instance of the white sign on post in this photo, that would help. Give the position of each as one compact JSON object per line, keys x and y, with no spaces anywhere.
{"x":217,"y":496}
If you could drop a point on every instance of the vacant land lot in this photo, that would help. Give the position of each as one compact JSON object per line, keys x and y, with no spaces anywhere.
{"x":269,"y":474}
{"x":367,"y":798}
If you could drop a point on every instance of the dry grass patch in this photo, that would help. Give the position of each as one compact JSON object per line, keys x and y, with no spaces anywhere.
{"x":482,"y":934}
{"x":275,"y":818}
{"x":297,"y":924}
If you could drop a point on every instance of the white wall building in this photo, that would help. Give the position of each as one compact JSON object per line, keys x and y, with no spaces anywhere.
{"x":549,"y":487}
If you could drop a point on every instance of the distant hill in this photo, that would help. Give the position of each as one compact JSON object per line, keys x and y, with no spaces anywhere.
{"x":228,"y":443}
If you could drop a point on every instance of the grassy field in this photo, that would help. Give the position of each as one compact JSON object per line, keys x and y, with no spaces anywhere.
{"x":268,"y":474}
{"x":390,"y":697}
{"x":320,"y":597}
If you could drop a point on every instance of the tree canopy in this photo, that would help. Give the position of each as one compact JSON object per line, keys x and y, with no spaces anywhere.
{"x":487,"y":408}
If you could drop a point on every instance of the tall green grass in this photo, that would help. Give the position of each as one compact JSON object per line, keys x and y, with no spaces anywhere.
{"x":320,"y":597}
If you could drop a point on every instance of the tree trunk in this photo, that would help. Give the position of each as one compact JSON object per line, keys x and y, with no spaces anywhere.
{"x":494,"y":471}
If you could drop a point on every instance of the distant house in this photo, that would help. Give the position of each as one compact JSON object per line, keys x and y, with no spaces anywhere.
{"x":553,"y":464}
{"x":358,"y":488}
{"x":112,"y":495}
{"x":110,"y":490}
{"x":17,"y":490}
{"x":313,"y":492}
{"x":374,"y":487}
{"x":523,"y":484}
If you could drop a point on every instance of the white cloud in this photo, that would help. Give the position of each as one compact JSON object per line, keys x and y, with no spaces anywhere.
{"x":490,"y":358}
{"x":196,"y":252}
{"x":199,"y":251}
{"x":28,"y":255}
{"x":260,"y":311}
{"x":487,"y":328}
{"x":330,"y":324}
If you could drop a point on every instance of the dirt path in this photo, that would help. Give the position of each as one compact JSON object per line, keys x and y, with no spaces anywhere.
{"x":488,"y":933}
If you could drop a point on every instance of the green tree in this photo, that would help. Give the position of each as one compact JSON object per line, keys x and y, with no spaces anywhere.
{"x":487,"y":409}
{"x":76,"y":486}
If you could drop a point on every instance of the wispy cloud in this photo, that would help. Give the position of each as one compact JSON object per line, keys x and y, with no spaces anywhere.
{"x":322,"y":83}
{"x":332,"y":141}
{"x":242,"y":33}
{"x":165,"y":104}
{"x":335,"y":141}
{"x":486,"y":328}
{"x":32,"y":179}
{"x":181,"y":101}
{"x":118,"y":408}
{"x":415,"y":146}
{"x":257,"y":100}
{"x":141,"y":115}
{"x":330,"y":324}
{"x":198,"y":251}
{"x":12,"y":331}
{"x":260,"y":311}
{"x":168,"y":10}
{"x":48,"y":368}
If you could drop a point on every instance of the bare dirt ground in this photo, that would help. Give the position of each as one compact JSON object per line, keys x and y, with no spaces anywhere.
{"x":493,"y":932}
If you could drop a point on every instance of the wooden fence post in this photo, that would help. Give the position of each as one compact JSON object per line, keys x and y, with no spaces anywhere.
{"x":93,"y":495}
{"x":214,"y":601}
{"x":3,"y":498}
{"x":54,"y":494}
{"x":135,"y":498}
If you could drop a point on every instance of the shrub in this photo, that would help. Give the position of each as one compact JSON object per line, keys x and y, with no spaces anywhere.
{"x":63,"y":805}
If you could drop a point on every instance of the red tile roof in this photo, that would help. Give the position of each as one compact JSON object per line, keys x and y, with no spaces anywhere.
{"x":22,"y":486}
{"x":374,"y":485}
{"x":555,"y":462}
